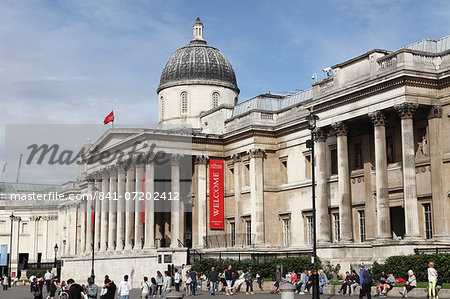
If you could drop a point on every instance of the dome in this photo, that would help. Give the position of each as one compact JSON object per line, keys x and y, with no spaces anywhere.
{"x":198,"y":63}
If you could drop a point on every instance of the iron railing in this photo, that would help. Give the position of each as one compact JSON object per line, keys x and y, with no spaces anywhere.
{"x":228,"y":240}
{"x":432,"y":250}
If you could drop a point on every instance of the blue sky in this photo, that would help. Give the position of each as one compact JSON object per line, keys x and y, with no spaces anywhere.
{"x":67,"y":62}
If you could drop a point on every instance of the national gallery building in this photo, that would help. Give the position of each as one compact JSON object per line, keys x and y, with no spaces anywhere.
{"x":229,"y":178}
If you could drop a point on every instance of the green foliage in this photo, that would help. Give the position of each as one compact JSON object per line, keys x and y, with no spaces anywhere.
{"x":36,"y":272}
{"x":266,"y":265}
{"x":329,"y":267}
{"x":400,"y":264}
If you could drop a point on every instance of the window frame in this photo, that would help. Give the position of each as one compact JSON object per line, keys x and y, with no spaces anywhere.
{"x":214,"y":103}
{"x":184,"y":102}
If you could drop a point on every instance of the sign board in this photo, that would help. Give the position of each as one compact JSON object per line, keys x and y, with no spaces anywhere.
{"x":3,"y":255}
{"x":216,"y":209}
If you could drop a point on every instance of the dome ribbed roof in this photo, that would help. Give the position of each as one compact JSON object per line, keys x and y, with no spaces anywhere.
{"x":198,"y":63}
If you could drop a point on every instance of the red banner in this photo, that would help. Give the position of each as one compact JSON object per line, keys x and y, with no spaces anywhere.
{"x":216,"y":214}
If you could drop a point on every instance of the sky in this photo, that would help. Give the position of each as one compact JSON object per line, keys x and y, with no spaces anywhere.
{"x":70,"y":62}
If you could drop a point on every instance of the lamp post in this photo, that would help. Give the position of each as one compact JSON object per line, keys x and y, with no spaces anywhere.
{"x":12,"y":218}
{"x":312,"y":122}
{"x":188,"y":237}
{"x":56,"y":252}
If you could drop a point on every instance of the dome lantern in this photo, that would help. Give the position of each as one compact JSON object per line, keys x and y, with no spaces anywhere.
{"x":198,"y":29}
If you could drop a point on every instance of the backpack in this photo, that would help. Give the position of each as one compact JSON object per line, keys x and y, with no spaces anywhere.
{"x":367,"y":278}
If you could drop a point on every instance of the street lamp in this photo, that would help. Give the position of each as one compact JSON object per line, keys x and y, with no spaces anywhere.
{"x":56,"y":252}
{"x":312,"y":123}
{"x":188,"y":237}
{"x":12,"y":218}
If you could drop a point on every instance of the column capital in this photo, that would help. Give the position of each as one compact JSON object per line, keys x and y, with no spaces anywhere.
{"x":97,"y":176}
{"x":36,"y":218}
{"x":236,"y":157}
{"x":149,"y":158}
{"x":90,"y":178}
{"x":340,"y":128}
{"x":320,"y":135}
{"x":378,"y":118}
{"x":201,"y":159}
{"x":406,"y":110}
{"x":113,"y":169}
{"x":256,"y":153}
{"x":175,"y":159}
{"x":105,"y":172}
{"x":435,"y":111}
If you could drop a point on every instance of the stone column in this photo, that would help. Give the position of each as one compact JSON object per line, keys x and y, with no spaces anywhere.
{"x":237,"y":195}
{"x":129,"y":215}
{"x":89,"y":211}
{"x":257,"y":195}
{"x":323,"y":225}
{"x":201,"y":162}
{"x":46,"y":232}
{"x":82,"y":213}
{"x":105,"y":211}
{"x":138,"y":226}
{"x":382,"y":185}
{"x":121,"y":208}
{"x":149,"y":205}
{"x":440,"y":210}
{"x":175,"y":205}
{"x":73,"y":208}
{"x":112,"y":231}
{"x":345,"y":203}
{"x":97,"y":210}
{"x":68,"y":225}
{"x":406,"y":111}
{"x":35,"y":220}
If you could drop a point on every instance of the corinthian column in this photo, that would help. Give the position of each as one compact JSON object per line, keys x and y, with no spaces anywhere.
{"x":82,"y":228}
{"x":97,"y":210}
{"x":440,"y":206}
{"x":323,"y":232}
{"x":89,"y":213}
{"x":149,"y":205}
{"x":237,"y":194}
{"x":129,"y":215}
{"x":105,"y":210}
{"x":112,"y":231}
{"x":138,"y":226}
{"x":406,"y":112}
{"x":257,"y":195}
{"x":121,"y":208}
{"x":345,"y":204}
{"x":175,"y":205}
{"x":383,"y":217}
{"x":201,"y":162}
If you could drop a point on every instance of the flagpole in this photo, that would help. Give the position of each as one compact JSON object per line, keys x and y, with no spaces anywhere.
{"x":112,"y":123}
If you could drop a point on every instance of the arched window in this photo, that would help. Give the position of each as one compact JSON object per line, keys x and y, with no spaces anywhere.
{"x":215,"y":99}
{"x":184,"y":102}
{"x":162,"y":108}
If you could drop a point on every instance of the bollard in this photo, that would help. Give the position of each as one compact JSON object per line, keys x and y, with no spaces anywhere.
{"x":287,"y":290}
{"x":175,"y":295}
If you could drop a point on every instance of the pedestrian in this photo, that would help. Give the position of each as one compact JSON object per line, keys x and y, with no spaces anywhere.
{"x":53,"y":287}
{"x":249,"y":282}
{"x":193,"y":276}
{"x":409,"y":285}
{"x":259,"y":279}
{"x":108,"y":289}
{"x":40,"y":283}
{"x":159,"y":281}
{"x":124,"y":288}
{"x":187,"y":283}
{"x":228,"y":278}
{"x":167,"y":287}
{"x":75,"y":289}
{"x":36,"y":291}
{"x":346,"y":285}
{"x":439,"y":282}
{"x":177,"y":280}
{"x":432,"y":279}
{"x":323,"y":280}
{"x":5,"y":282}
{"x":213,"y":277}
{"x":354,"y":281}
{"x":32,"y":277}
{"x":276,"y":285}
{"x":48,"y":278}
{"x":365,"y":282}
{"x":145,"y":289}
{"x":92,"y":289}
{"x":153,"y":288}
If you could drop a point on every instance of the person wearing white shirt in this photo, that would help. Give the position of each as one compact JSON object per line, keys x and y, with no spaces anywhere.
{"x":145,"y":288}
{"x":48,"y":278}
{"x":177,"y":280}
{"x":124,"y":288}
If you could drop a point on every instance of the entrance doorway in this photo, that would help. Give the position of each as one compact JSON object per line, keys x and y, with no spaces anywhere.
{"x":397,"y":222}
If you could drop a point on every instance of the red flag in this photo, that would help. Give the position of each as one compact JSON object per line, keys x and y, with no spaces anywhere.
{"x":109,"y":118}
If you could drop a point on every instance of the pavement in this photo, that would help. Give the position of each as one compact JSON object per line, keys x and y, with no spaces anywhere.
{"x":23,"y":292}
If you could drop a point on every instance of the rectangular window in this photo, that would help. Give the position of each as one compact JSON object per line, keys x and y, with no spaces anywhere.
{"x":286,"y":232}
{"x":362,"y":225}
{"x":358,"y":156}
{"x":247,"y":174}
{"x":337,"y":228}
{"x":248,"y":229}
{"x":308,"y":166}
{"x":233,"y":233}
{"x":309,"y":229}
{"x":284,"y":173}
{"x":334,"y":161}
{"x":390,"y":149}
{"x":428,"y":218}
